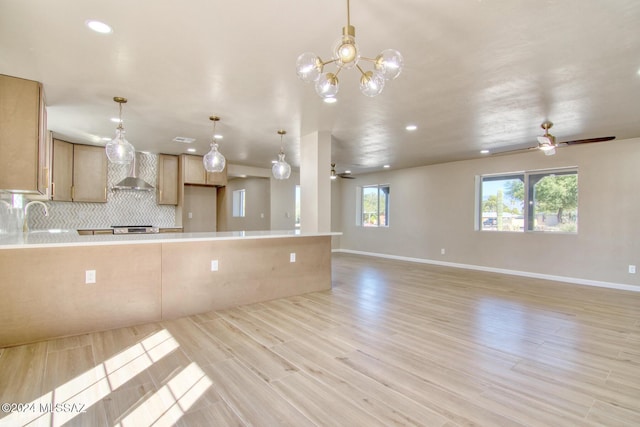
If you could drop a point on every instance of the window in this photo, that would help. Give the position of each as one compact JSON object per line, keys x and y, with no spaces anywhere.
{"x":238,"y":203}
{"x":297,"y":219}
{"x":533,"y":201}
{"x":374,"y":206}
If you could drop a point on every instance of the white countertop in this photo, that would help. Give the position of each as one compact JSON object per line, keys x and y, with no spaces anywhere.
{"x":61,"y":238}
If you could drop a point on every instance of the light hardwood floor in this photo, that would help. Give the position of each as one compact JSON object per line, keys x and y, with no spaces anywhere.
{"x":391,"y":344}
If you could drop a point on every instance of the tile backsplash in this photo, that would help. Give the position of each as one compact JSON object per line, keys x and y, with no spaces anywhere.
{"x":122,"y":207}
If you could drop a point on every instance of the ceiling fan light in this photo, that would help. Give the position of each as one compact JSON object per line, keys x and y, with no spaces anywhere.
{"x":327,"y":85}
{"x":390,"y":63}
{"x":372,"y":83}
{"x":308,"y":67}
{"x":119,"y":150}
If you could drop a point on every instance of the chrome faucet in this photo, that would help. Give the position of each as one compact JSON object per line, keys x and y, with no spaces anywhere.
{"x":25,"y":227}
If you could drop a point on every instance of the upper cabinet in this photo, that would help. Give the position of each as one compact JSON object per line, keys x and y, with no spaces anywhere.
{"x":167,"y":188}
{"x":62,"y":176}
{"x":194,"y":173}
{"x":89,"y":174}
{"x":79,"y":173}
{"x":24,"y":150}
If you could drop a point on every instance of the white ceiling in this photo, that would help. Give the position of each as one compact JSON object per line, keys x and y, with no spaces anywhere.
{"x":479,"y":74}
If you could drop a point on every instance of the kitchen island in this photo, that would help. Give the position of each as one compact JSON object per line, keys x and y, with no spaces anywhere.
{"x":47,"y":291}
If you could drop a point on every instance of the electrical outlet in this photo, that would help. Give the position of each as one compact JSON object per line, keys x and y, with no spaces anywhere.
{"x":442,"y":251}
{"x":214,"y":265}
{"x":89,"y":276}
{"x":632,"y":269}
{"x":190,"y":215}
{"x":292,"y":257}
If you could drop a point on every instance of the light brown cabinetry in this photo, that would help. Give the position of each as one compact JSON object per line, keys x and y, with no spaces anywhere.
{"x":23,"y":136}
{"x":194,"y":173}
{"x":167,"y":188}
{"x":79,"y":173}
{"x":89,"y":174}
{"x":62,"y":171}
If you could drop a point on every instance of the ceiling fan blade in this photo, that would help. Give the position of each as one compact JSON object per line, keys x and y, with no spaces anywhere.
{"x":586,"y":141}
{"x":519,"y":150}
{"x":346,"y":176}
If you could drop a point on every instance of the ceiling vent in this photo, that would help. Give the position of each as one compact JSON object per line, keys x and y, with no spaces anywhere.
{"x":183,"y":139}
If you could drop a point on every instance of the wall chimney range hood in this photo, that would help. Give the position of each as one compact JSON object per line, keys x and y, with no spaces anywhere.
{"x":132,"y":182}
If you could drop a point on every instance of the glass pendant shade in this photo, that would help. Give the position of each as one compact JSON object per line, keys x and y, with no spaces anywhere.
{"x":119,"y":150}
{"x":346,"y":52}
{"x":372,"y":83}
{"x":281,"y":169}
{"x":308,"y":67}
{"x":390,"y":63}
{"x":214,"y":161}
{"x":327,"y":85}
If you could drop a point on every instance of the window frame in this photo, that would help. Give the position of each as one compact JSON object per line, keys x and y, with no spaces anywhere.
{"x":239,"y":203}
{"x":386,"y":189}
{"x":528,"y":209}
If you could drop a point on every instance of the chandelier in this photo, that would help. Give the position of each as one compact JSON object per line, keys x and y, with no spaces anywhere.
{"x":386,"y":66}
{"x":281,"y":169}
{"x":119,"y":150}
{"x":214,"y":161}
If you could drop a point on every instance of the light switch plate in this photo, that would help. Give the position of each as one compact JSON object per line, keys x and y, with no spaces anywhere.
{"x":292,"y":257}
{"x":214,"y":265}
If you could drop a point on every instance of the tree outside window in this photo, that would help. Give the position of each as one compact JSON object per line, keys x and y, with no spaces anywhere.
{"x":550,"y":202}
{"x":375,"y":206}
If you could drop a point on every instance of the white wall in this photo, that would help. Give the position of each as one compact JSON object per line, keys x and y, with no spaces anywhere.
{"x":257,"y":205}
{"x":283,"y":202}
{"x":433,"y":207}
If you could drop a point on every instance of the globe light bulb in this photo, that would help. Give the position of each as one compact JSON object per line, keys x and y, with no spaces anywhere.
{"x":372,"y":83}
{"x":346,"y":52}
{"x":308,"y":67}
{"x":390,"y":63}
{"x":327,"y":85}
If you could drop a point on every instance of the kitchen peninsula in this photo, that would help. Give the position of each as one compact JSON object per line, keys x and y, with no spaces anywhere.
{"x":47,"y":290}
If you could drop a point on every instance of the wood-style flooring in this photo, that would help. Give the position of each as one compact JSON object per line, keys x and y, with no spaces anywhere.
{"x":392,"y":344}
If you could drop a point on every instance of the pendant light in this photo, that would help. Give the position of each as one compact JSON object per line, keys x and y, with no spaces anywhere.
{"x":119,"y":151}
{"x":214,"y":161}
{"x":281,"y":169}
{"x":346,"y":55}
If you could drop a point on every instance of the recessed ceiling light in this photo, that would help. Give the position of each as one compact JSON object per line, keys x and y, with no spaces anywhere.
{"x":386,"y":166}
{"x":98,"y":27}
{"x":218,"y":136}
{"x":411,"y":127}
{"x":330,"y":100}
{"x":347,"y":171}
{"x":274,"y":161}
{"x":115,"y":120}
{"x":484,"y":151}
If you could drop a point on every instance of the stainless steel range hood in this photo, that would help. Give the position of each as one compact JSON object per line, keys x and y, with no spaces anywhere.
{"x":132,"y":182}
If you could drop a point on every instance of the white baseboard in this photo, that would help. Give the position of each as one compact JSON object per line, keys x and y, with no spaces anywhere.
{"x":566,"y":279}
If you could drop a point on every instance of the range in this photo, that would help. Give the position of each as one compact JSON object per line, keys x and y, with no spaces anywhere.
{"x":134,"y":229}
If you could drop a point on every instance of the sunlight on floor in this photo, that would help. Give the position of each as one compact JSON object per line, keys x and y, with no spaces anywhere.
{"x":75,"y":396}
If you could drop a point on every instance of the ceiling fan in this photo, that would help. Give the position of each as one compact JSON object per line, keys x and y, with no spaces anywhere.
{"x":547,"y":142}
{"x":345,"y":175}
